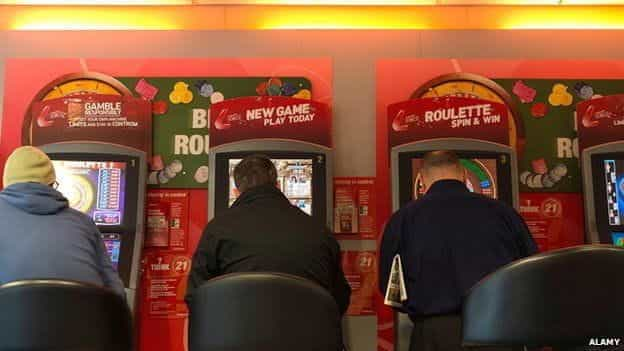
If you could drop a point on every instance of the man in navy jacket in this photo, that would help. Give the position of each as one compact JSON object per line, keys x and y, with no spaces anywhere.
{"x":448,"y":240}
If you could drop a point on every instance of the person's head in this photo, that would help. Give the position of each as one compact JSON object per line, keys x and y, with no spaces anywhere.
{"x":440,"y":165}
{"x":254,"y":171}
{"x":27,"y":164}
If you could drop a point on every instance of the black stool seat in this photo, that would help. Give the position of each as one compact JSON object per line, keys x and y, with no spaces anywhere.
{"x":62,"y":315}
{"x":263,"y":311}
{"x":558,"y":298}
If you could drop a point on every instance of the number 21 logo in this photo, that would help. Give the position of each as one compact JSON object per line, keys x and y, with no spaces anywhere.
{"x":181,"y":265}
{"x":551,"y":208}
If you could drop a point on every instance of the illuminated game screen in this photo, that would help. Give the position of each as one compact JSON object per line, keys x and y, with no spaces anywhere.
{"x":618,"y":239}
{"x":112,"y":241}
{"x":294,"y":179}
{"x":614,"y":180}
{"x":480,"y":176}
{"x":94,"y":188}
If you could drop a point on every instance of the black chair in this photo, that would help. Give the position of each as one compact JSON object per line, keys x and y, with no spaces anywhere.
{"x":560,"y":298}
{"x":62,"y":315}
{"x":263,"y":312}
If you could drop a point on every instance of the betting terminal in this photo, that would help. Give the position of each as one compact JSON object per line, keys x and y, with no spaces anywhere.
{"x":486,"y":154}
{"x":603,"y":186}
{"x":601,"y":130}
{"x":301,"y":152}
{"x":302,"y":174}
{"x":107,"y":182}
{"x":490,"y":169}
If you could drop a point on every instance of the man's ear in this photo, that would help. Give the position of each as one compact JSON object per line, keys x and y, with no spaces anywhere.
{"x":237,"y":192}
{"x":425,"y":181}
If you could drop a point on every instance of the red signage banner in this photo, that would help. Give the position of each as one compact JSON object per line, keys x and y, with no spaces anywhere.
{"x":360,"y":269}
{"x":600,"y":120}
{"x":121,"y":120}
{"x":167,"y":219}
{"x":555,"y":220}
{"x":270,"y":117}
{"x":447,"y":117}
{"x":164,"y":285}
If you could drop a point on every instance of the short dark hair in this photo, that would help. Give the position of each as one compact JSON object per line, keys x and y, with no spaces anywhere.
{"x":440,"y":159}
{"x":253,"y":171}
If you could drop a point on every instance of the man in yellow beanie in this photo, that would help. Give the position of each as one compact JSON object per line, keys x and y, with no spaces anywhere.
{"x":41,"y":237}
{"x":28,"y":164}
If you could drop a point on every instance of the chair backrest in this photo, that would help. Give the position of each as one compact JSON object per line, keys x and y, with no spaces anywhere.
{"x":558,"y":298}
{"x":263,"y":312}
{"x":62,"y":315}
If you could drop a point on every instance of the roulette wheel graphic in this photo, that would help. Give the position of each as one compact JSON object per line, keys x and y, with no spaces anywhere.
{"x":79,"y":192}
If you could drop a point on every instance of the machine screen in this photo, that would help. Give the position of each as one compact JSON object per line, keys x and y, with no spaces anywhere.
{"x":94,"y":188}
{"x":112,"y":242}
{"x":618,"y":239}
{"x":614,"y":182}
{"x":294,"y":179}
{"x":480,"y":176}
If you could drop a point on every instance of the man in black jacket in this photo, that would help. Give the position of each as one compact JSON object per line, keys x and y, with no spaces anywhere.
{"x":448,"y":240}
{"x":262,"y":231}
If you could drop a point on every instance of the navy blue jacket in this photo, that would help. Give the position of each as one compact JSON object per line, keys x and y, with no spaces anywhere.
{"x":41,"y":237}
{"x":448,"y":240}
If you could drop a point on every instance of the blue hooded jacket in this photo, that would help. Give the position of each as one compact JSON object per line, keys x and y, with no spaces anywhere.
{"x":42,"y":238}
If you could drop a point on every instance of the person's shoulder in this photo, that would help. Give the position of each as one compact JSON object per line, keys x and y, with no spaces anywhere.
{"x":228,"y":219}
{"x":5,"y":204}
{"x":74,"y":213}
{"x":495,"y":205}
{"x":78,"y":217}
{"x":243,"y":215}
{"x":500,"y":204}
{"x":410,"y":209}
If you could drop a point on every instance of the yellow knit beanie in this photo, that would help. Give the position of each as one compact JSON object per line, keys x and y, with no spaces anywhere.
{"x":28,"y":164}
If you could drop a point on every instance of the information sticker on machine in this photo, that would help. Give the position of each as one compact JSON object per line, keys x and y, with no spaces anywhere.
{"x":164,"y":284}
